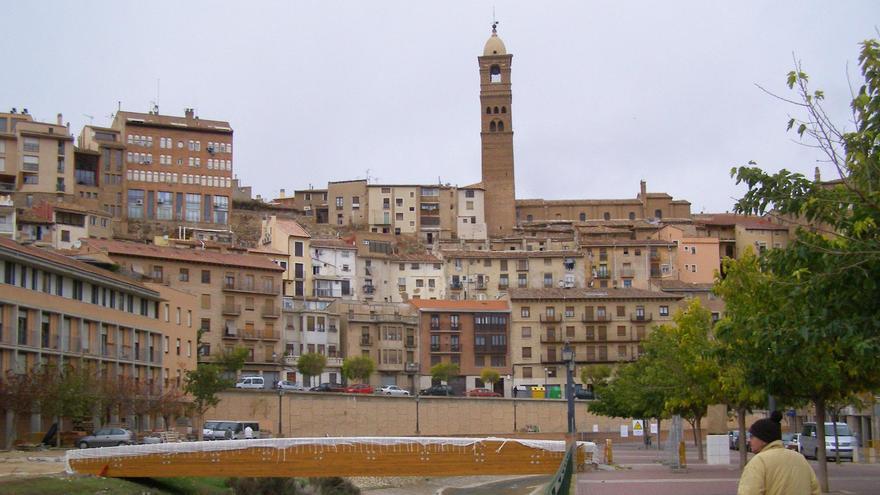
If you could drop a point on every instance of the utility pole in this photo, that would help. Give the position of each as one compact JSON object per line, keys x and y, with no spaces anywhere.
{"x":568,"y":357}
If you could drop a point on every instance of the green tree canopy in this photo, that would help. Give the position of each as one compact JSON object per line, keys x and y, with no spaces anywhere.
{"x":358,"y":368}
{"x":490,"y":376}
{"x":311,"y":364}
{"x":444,"y":371}
{"x":203,"y":384}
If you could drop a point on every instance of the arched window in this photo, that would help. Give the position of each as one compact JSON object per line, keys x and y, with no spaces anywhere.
{"x":503,"y":109}
{"x":607,"y":216}
{"x":495,"y":110}
{"x":492,"y":126}
{"x":583,"y":217}
{"x":488,"y":110}
{"x":500,"y":126}
{"x":658,"y":213}
{"x":495,"y":74}
{"x":632,"y":215}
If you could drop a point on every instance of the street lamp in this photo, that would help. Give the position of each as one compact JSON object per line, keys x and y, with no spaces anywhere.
{"x":568,"y":357}
{"x":546,"y":373}
{"x":280,"y":396}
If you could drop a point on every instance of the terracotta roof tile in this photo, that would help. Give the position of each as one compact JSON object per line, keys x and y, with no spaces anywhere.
{"x":332,"y":243}
{"x":468,"y":305}
{"x":182,"y":254}
{"x":292,"y":227}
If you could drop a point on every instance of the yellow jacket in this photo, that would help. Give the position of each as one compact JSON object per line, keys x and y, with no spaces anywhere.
{"x":776,"y":470}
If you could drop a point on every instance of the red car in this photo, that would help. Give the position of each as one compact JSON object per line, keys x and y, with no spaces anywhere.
{"x":360,"y":388}
{"x":482,"y":392}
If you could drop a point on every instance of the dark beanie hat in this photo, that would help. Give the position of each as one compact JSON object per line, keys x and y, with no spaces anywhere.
{"x":768,"y":429}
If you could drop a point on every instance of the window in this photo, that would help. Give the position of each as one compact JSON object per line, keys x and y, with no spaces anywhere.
{"x":569,"y":311}
{"x":621,"y":311}
{"x":164,"y":205}
{"x":206,"y":276}
{"x":524,"y":311}
{"x":206,"y":301}
{"x":184,"y":275}
{"x":664,"y":310}
{"x":527,"y":372}
{"x":526,"y":352}
{"x":340,"y":201}
{"x":526,"y":332}
{"x":65,"y":236}
{"x":135,"y":203}
{"x":193,"y":207}
{"x":221,"y":209}
{"x":621,"y":331}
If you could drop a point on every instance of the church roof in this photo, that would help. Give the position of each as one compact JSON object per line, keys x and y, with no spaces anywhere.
{"x":494,"y":45}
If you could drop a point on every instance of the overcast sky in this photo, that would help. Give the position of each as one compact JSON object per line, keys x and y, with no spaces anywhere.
{"x":605,"y":93}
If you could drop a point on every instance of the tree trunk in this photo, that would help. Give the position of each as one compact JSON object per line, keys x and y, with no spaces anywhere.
{"x":834,"y":419}
{"x":698,"y":431}
{"x":820,"y":445}
{"x":10,"y":429}
{"x":741,"y":441}
{"x":58,"y":420}
{"x":659,"y":434}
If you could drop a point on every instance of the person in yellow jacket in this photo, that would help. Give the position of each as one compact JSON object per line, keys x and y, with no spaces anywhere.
{"x":775,"y":470}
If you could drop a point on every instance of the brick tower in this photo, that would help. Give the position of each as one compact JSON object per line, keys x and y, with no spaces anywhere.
{"x":496,"y":135}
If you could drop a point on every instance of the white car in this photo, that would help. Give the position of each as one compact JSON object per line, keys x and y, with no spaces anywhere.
{"x":288,"y":385}
{"x":392,"y":390}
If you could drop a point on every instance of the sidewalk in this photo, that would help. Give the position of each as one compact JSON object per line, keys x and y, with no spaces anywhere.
{"x":637,"y":470}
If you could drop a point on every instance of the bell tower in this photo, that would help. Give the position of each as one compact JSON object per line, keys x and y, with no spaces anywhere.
{"x":496,"y":136}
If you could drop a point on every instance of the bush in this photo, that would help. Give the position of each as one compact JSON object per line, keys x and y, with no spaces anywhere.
{"x":292,"y":486}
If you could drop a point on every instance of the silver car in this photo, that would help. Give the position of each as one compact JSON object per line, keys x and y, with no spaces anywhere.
{"x":107,"y":437}
{"x":392,"y":390}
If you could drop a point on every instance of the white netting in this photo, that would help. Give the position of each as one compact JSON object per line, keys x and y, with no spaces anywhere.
{"x":318,"y":442}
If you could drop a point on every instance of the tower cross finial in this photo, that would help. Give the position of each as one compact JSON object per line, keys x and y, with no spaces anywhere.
{"x":494,"y":21}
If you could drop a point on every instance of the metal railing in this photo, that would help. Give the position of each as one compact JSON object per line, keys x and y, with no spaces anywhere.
{"x":562,"y":480}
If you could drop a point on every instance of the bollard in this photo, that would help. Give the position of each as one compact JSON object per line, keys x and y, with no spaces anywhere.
{"x":682,"y":460}
{"x":609,"y":454}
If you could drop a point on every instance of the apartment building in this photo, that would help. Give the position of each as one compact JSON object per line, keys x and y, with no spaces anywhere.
{"x":347,"y":203}
{"x":178,"y":171}
{"x":386,"y":332}
{"x":418,"y":276}
{"x":334,"y":268}
{"x":393,"y":209}
{"x":99,"y":170}
{"x":312,"y":202}
{"x":472,"y":334}
{"x":628,"y":263}
{"x":602,"y":325}
{"x":239,"y":295}
{"x":376,"y":271}
{"x":698,"y":258}
{"x":737,"y":232}
{"x":60,"y":311}
{"x":288,"y":236}
{"x":36,"y":159}
{"x":471,"y":222}
{"x":313,"y":327}
{"x":489,"y":275}
{"x":61,"y":225}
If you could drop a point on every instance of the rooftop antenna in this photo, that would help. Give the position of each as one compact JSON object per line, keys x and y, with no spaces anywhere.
{"x":368,"y":176}
{"x":91,"y":118}
{"x":494,"y":21}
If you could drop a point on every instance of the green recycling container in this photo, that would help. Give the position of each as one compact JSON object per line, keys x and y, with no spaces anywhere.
{"x":554,"y":392}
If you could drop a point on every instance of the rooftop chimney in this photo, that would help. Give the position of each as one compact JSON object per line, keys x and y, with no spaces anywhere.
{"x":817,"y":175}
{"x":189,"y":113}
{"x":60,"y":120}
{"x":282,"y":193}
{"x":643,"y":187}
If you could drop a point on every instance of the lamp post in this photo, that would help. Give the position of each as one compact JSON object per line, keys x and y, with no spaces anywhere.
{"x":546,"y":372}
{"x":280,"y":396}
{"x":568,"y":357}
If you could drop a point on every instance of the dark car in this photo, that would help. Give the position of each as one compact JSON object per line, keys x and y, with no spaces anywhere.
{"x":439,"y":390}
{"x":328,"y":387}
{"x":583,"y":394}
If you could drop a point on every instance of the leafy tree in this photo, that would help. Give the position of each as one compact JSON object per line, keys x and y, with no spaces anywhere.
{"x":18,"y":396}
{"x":821,"y":343}
{"x":596,"y":376}
{"x":63,"y":393}
{"x":680,"y":362}
{"x":358,"y":368}
{"x":490,"y":377}
{"x":311,"y":364}
{"x":231,"y":361}
{"x":444,"y":371}
{"x":203,"y":384}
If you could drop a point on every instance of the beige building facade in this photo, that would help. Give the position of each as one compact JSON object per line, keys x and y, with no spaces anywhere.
{"x":603,"y":326}
{"x":288,"y":236}
{"x":698,"y":258}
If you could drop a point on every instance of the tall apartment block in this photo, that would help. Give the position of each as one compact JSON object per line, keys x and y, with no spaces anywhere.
{"x":178,"y":172}
{"x":99,"y":169}
{"x":36,"y":159}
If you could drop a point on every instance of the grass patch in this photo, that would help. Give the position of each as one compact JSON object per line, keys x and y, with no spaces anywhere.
{"x":91,"y":485}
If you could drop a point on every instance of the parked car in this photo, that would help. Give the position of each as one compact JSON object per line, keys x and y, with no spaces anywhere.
{"x":810,"y":447}
{"x":482,"y":392}
{"x":229,"y":430}
{"x":359,"y":388}
{"x":733,"y":435}
{"x":439,"y":390}
{"x":107,"y":437}
{"x":288,"y":385}
{"x":583,"y":393}
{"x":791,"y":441}
{"x":328,"y":387}
{"x":253,"y":382}
{"x":392,"y":390}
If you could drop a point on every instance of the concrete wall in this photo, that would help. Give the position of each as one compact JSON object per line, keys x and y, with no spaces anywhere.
{"x":320,"y":414}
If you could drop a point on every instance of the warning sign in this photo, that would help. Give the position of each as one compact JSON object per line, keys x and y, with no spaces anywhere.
{"x":638,"y":428}
{"x":624,"y":431}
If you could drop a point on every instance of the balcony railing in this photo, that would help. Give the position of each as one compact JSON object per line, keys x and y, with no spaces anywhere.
{"x":230,"y":333}
{"x":545,"y":318}
{"x":243,"y":287}
{"x":641,"y":316}
{"x":270,"y":312}
{"x":627,"y":273}
{"x":446,"y":348}
{"x":232,"y":309}
{"x":369,"y":289}
{"x":594,"y":318}
{"x":490,"y":349}
{"x":502,"y":286}
{"x":602,"y":275}
{"x":654,"y":256}
{"x":455,"y":286}
{"x":366,"y":340}
{"x":551,"y":338}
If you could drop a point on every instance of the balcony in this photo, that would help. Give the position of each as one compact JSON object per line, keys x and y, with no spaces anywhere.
{"x":366,"y":340}
{"x":7,"y":187}
{"x":502,"y":286}
{"x":290,"y":359}
{"x":410,"y":343}
{"x":232,"y":309}
{"x":641,"y":317}
{"x":270,"y":312}
{"x":490,"y":349}
{"x":369,"y":289}
{"x":334,"y":362}
{"x":602,"y":275}
{"x":585,"y":318}
{"x":267,"y":334}
{"x":251,"y":288}
{"x":481,"y":286}
{"x":455,"y":286}
{"x":545,"y":318}
{"x":59,"y":188}
{"x":552,"y":339}
{"x":250,"y":334}
{"x":654,"y":256}
{"x":411,"y":367}
{"x":230,"y":333}
{"x":441,"y":348}
{"x":627,"y":273}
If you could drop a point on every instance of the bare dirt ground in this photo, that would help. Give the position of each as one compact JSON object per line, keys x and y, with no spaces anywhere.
{"x":31,"y":463}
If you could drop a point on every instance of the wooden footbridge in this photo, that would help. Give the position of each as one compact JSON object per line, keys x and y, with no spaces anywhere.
{"x":329,"y":456}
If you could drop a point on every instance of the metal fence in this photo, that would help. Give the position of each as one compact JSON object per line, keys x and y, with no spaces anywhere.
{"x":562,"y":480}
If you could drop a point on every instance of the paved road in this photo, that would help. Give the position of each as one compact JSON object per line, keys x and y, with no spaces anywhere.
{"x":640,"y":471}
